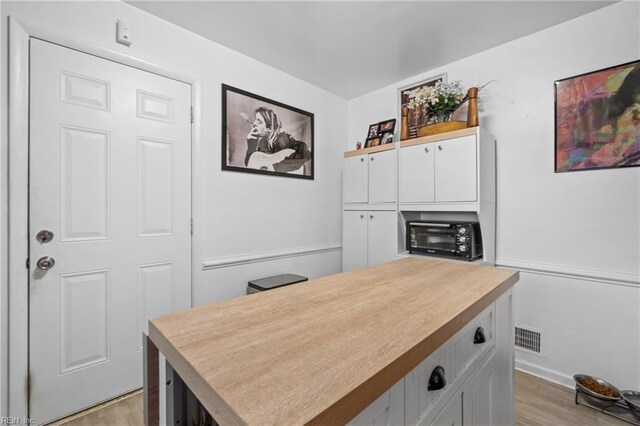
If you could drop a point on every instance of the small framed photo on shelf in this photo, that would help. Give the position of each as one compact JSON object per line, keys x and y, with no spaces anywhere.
{"x":387,"y":126}
{"x":375,"y":141}
{"x":373,"y":130}
{"x":386,"y":138}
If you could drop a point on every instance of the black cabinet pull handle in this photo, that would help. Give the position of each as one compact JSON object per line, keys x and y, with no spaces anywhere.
{"x":479,"y":337}
{"x":437,"y":380}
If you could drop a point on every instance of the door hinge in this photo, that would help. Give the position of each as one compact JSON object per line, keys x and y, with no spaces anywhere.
{"x":27,"y":263}
{"x":191,"y":226}
{"x":191,"y":115}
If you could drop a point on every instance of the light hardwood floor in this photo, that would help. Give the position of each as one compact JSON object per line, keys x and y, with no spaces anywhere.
{"x":538,"y":403}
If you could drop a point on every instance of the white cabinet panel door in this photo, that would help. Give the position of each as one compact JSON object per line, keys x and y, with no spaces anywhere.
{"x":382,"y":177}
{"x":451,"y":415}
{"x":110,"y":177}
{"x":387,"y":410}
{"x":456,"y":169}
{"x":477,"y":397}
{"x":417,"y":174}
{"x":356,"y":179}
{"x":383,"y":236}
{"x":354,"y":237}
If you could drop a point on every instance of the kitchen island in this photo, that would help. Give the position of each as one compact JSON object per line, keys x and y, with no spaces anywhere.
{"x":360,"y":344}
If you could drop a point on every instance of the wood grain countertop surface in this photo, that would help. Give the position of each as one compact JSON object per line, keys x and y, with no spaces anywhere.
{"x":321,"y":351}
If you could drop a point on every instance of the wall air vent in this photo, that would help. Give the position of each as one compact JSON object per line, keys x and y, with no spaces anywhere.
{"x":528,"y":339}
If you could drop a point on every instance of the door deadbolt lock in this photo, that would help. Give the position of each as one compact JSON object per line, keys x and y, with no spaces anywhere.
{"x":44,"y":236}
{"x":45,"y":263}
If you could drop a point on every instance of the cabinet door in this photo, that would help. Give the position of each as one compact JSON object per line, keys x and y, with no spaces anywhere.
{"x":456,"y":169}
{"x":382,"y":177}
{"x":354,"y":240}
{"x":478,"y":397}
{"x":355,"y":179}
{"x":383,"y":236}
{"x":388,"y":409}
{"x":417,"y":174}
{"x":451,"y":415}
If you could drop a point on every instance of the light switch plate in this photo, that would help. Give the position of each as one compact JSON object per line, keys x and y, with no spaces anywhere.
{"x":123,"y":35}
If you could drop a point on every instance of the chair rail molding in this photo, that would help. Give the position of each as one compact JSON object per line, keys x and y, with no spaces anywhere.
{"x":229,"y":261}
{"x":626,"y":279}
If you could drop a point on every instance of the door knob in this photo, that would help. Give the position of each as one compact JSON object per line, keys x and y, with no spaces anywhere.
{"x":45,"y":262}
{"x":44,"y":236}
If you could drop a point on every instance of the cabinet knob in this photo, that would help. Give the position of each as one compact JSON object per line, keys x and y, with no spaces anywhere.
{"x":372,"y":158}
{"x":479,"y":337}
{"x":437,"y":380}
{"x":370,"y":216}
{"x":361,"y":216}
{"x":361,"y":159}
{"x":426,"y":149}
{"x":439,"y":147}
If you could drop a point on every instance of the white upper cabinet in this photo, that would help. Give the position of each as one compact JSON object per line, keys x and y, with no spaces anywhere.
{"x":417,"y":174}
{"x":443,"y":171}
{"x":382,"y":177}
{"x":370,"y":178}
{"x":356,"y":179}
{"x":455,"y":167}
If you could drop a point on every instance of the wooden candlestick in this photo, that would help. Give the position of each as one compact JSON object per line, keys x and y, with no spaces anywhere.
{"x":472,"y":111}
{"x":404,"y":124}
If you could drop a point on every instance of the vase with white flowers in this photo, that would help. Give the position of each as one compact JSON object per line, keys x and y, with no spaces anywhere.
{"x":439,"y":101}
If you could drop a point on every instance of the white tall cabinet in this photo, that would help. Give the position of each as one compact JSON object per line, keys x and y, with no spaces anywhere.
{"x":449,"y":176}
{"x":370,"y":218}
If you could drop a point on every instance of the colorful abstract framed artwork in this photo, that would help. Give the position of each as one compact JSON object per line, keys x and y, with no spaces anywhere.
{"x":598,"y":119}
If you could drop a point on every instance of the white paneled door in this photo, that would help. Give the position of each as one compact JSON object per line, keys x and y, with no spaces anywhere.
{"x":109,"y":223}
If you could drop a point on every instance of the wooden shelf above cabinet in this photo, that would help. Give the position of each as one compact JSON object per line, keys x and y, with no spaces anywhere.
{"x":439,"y":137}
{"x":379,"y":148}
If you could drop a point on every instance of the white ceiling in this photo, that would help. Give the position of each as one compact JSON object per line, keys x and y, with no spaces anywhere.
{"x":353,"y":47}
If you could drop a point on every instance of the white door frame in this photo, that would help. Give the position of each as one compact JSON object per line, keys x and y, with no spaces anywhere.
{"x":14,"y":287}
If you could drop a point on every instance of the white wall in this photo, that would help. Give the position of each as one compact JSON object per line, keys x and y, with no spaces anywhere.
{"x":294,"y":221}
{"x":242,"y":213}
{"x":578,"y":227}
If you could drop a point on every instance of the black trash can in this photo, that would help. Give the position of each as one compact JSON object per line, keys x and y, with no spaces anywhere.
{"x":269,"y":283}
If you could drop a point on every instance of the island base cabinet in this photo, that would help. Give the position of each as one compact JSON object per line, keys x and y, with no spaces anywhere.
{"x":451,"y":415}
{"x":388,"y":409}
{"x":478,"y":397}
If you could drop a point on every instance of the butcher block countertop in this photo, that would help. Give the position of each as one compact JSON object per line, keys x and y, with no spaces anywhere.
{"x":321,"y":351}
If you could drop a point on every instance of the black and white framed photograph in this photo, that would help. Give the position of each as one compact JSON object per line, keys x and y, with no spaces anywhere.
{"x":260,"y":135}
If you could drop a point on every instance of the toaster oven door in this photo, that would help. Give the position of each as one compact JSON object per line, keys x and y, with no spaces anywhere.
{"x":432,"y":238}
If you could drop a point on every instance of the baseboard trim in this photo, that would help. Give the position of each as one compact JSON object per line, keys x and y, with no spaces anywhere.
{"x":545,"y":373}
{"x":607,"y":277}
{"x":225,"y":262}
